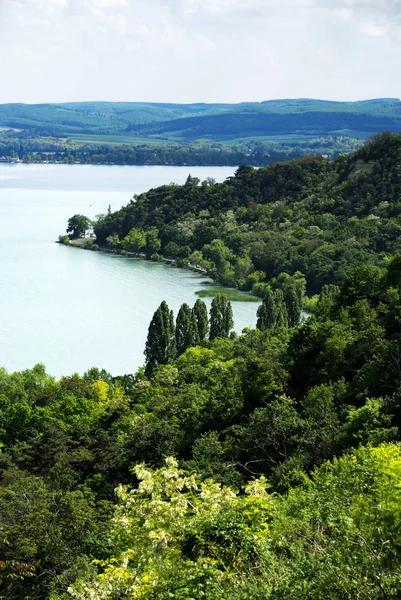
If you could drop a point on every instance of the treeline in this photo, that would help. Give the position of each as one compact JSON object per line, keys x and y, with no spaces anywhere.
{"x":315,"y":216}
{"x":167,"y":339}
{"x":248,"y":507}
{"x":258,"y":153}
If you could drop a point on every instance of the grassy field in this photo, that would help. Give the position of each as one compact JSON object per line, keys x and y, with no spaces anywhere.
{"x":281,"y":139}
{"x":116,"y":139}
{"x":232,"y":294}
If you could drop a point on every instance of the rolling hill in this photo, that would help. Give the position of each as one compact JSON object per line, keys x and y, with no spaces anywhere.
{"x":211,"y":121}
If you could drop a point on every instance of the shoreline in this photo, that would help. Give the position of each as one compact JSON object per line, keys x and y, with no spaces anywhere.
{"x":170,"y":262}
{"x":80,"y":243}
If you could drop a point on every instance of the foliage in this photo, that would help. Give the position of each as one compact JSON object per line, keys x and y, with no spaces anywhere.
{"x":202,"y":321}
{"x":276,"y":404}
{"x":134,"y":241}
{"x":312,"y":216}
{"x":284,"y":471}
{"x":221,"y":317}
{"x":64,"y":239}
{"x":186,"y":329}
{"x":178,"y":537}
{"x":78,"y":226}
{"x":160,"y":346}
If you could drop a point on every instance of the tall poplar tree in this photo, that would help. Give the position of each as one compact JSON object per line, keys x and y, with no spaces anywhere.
{"x":273,"y":311}
{"x":221,"y":317}
{"x":202,"y":319}
{"x":194,"y":329}
{"x":184,"y":334}
{"x":293,"y":305}
{"x":160,"y":347}
{"x":281,"y":308}
{"x":267,"y":312}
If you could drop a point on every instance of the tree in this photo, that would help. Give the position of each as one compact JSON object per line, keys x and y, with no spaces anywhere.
{"x":293,"y":305}
{"x":184,"y":335}
{"x":134,"y":241}
{"x":160,"y":346}
{"x":221,"y":256}
{"x":267,"y":312}
{"x":273,"y":311}
{"x":78,"y":226}
{"x":221,"y":317}
{"x":113,"y":241}
{"x":200,"y":313}
{"x":194,"y":329}
{"x":192,"y":181}
{"x":282,"y":315}
{"x":152,"y":242}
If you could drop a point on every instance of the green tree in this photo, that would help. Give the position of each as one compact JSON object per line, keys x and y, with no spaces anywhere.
{"x":202,"y":320}
{"x":152,"y":242}
{"x":160,"y":347}
{"x":282,"y":314}
{"x":221,"y":317}
{"x":78,"y":226}
{"x":194,"y":329}
{"x":293,"y":305}
{"x":134,"y":241}
{"x":267,"y":312}
{"x":184,"y":334}
{"x":113,"y":241}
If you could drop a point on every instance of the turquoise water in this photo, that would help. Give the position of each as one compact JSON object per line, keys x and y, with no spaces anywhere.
{"x":72,"y":309}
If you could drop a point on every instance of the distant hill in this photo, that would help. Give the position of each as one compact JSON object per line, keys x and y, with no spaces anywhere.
{"x":212,"y":121}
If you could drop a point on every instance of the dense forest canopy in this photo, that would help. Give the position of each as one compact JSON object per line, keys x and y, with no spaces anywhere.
{"x":260,"y":465}
{"x":315,"y":216}
{"x":247,"y":505}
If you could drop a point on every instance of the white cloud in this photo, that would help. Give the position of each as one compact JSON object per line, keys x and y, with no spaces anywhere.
{"x":373,"y":29}
{"x":190,"y":50}
{"x":111,"y":3}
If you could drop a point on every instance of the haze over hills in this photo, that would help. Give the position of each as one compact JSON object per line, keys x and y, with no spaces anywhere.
{"x":213,"y":121}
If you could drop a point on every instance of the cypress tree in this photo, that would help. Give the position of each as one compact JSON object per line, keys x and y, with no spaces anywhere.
{"x":221,"y":317}
{"x":202,"y":321}
{"x":184,"y":335}
{"x":160,"y":345}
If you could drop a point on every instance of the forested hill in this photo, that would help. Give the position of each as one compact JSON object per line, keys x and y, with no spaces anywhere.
{"x":260,"y":467}
{"x":215,"y":121}
{"x":134,"y":133}
{"x":316,"y":216}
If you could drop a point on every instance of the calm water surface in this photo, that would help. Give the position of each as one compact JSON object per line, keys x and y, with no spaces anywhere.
{"x":72,"y":309}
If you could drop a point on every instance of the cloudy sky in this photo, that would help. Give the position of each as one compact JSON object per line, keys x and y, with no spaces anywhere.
{"x":198,"y":50}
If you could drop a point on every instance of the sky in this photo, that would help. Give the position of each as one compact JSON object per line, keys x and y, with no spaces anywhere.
{"x":198,"y":50}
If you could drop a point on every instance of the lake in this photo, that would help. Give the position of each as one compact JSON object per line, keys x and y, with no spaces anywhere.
{"x":73,"y":309}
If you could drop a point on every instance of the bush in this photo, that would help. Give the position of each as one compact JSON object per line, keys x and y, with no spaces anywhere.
{"x":64,"y":239}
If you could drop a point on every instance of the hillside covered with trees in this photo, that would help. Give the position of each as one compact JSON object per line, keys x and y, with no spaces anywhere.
{"x":314,"y":216}
{"x":205,"y":120}
{"x":261,"y":465}
{"x":255,"y":133}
